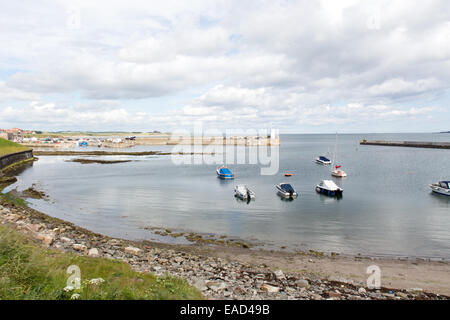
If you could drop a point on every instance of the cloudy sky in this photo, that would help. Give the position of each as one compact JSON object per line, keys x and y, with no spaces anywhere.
{"x":299,"y":66}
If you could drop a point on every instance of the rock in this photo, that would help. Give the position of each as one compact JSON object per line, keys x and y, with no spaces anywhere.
{"x":12,"y":217}
{"x":47,"y":239}
{"x":216,"y":285}
{"x":261,"y":276}
{"x":20,"y":223}
{"x":64,"y":239}
{"x":200,"y":284}
{"x":79,"y":247}
{"x":414,"y":290}
{"x":133,"y":250}
{"x":401,"y":295}
{"x":179,"y":260}
{"x":334,"y":294}
{"x":269,"y":288}
{"x":362,"y":290}
{"x":114,"y":242}
{"x":93,"y":252}
{"x":279,"y":275}
{"x":302,"y":283}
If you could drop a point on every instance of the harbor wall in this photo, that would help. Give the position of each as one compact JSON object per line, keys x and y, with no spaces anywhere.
{"x":410,"y":144}
{"x":9,"y":159}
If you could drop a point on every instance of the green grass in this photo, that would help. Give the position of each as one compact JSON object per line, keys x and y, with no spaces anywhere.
{"x":7,"y":147}
{"x":7,"y":198}
{"x":28,"y":271}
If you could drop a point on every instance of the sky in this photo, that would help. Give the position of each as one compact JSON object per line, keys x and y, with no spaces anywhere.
{"x":313,"y":66}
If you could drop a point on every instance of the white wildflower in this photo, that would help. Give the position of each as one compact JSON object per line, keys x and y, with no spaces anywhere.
{"x":96,"y":281}
{"x":68,"y":288}
{"x":75,"y":296}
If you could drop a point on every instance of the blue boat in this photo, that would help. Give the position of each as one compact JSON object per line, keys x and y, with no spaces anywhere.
{"x":224,"y":173}
{"x":323,"y":160}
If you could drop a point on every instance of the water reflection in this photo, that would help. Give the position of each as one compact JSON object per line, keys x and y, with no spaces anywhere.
{"x":386,"y":210}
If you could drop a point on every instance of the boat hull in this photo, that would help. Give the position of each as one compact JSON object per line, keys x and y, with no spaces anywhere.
{"x":243,"y":193}
{"x":244,"y":196}
{"x":330,"y":193}
{"x":441,"y":191}
{"x":224,"y":176}
{"x":339,"y":174}
{"x":323,"y":162}
{"x":286,"y":194}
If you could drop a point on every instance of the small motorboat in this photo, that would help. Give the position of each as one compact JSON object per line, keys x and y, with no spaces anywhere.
{"x":336,"y":172}
{"x":323,"y":160}
{"x":288,"y":174}
{"x":224,"y":173}
{"x":286,"y":190}
{"x":329,"y":188}
{"x":243,"y":192}
{"x":443,"y":187}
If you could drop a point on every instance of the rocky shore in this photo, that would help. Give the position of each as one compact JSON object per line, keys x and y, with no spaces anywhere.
{"x":216,"y":277}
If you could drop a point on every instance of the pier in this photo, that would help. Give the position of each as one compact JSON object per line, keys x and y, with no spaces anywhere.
{"x":409,"y":144}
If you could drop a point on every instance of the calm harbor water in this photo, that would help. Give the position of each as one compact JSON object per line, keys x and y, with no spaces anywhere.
{"x":387,"y":207}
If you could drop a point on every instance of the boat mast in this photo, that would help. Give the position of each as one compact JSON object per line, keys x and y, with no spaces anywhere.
{"x":334,"y":155}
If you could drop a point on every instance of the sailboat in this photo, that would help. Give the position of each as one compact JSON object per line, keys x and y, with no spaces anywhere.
{"x":336,"y":171}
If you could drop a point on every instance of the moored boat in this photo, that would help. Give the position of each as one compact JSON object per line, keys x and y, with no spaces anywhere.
{"x":243,"y":192}
{"x":286,"y":190}
{"x":336,"y":172}
{"x":323,"y":160}
{"x":443,"y":187}
{"x":329,"y":188}
{"x":224,"y":173}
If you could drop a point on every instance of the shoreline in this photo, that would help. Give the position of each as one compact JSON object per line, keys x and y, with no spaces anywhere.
{"x":238,"y":272}
{"x":221,"y":272}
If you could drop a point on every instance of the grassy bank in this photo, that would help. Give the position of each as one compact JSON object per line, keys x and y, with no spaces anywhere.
{"x":7,"y":147}
{"x":28,"y":271}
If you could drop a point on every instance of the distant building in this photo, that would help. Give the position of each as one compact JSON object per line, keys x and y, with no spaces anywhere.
{"x":6,"y":135}
{"x":18,"y":131}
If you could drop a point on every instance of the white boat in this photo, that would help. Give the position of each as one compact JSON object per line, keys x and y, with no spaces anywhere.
{"x":443,"y":187}
{"x":286,"y":190}
{"x":329,"y":188}
{"x":241,"y":191}
{"x":336,"y":171}
{"x":323,"y":160}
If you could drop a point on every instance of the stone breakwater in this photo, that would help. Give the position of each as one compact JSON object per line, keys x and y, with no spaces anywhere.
{"x":217,"y":278}
{"x":12,"y":158}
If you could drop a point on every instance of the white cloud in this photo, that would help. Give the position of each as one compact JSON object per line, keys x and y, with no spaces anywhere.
{"x":401,"y":86}
{"x":254,"y":62}
{"x":8,"y":93}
